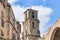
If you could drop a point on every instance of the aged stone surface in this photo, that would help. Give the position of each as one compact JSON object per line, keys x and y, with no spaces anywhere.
{"x":9,"y":27}
{"x":31,"y":25}
{"x":31,"y":28}
{"x":54,"y":32}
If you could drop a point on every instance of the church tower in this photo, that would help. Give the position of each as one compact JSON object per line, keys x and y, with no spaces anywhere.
{"x":30,"y":25}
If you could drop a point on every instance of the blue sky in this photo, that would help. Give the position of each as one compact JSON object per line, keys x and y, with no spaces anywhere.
{"x":49,"y":9}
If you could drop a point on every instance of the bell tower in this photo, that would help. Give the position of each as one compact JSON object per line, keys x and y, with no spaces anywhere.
{"x":31,"y":25}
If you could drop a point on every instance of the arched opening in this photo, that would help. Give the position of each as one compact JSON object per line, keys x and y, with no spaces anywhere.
{"x":57,"y":34}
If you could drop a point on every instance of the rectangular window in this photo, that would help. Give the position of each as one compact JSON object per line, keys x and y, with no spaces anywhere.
{"x":32,"y":14}
{"x":8,"y":5}
{"x":33,"y":24}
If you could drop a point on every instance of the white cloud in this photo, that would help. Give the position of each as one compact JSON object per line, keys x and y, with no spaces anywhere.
{"x":43,"y":0}
{"x":12,"y":1}
{"x":43,"y":14}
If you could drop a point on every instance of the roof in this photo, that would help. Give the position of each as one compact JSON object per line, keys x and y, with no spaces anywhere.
{"x":30,"y":9}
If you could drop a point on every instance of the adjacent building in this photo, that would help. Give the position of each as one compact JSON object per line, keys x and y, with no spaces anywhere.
{"x":9,"y":28}
{"x":54,"y":32}
{"x":31,"y":27}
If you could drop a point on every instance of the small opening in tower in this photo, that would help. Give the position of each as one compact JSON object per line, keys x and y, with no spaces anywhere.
{"x":33,"y":24}
{"x":32,"y":14}
{"x":4,"y":5}
{"x":2,"y":33}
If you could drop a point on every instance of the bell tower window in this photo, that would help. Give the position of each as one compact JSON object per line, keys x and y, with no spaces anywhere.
{"x":32,"y":14}
{"x":33,"y":24}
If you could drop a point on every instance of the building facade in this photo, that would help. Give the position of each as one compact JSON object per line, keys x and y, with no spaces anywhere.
{"x":54,"y":32}
{"x":31,"y":25}
{"x":9,"y":28}
{"x":31,"y":28}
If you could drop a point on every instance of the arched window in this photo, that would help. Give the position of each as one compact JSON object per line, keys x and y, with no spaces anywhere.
{"x":57,"y":35}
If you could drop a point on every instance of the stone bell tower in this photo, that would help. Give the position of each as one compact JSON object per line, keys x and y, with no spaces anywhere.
{"x":30,"y":25}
